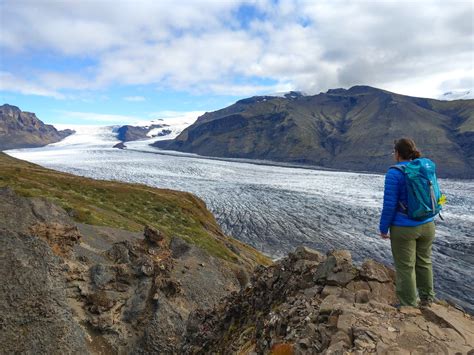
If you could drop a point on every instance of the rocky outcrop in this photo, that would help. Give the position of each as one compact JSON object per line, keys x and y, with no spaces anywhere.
{"x":350,"y":129}
{"x":132,"y":133}
{"x":20,"y":129}
{"x":34,"y":312}
{"x":309,"y":303}
{"x":76,"y":288}
{"x":120,"y":145}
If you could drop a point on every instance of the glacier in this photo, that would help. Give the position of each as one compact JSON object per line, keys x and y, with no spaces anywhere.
{"x":276,"y":208}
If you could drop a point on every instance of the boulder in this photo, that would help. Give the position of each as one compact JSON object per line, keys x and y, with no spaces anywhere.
{"x":382,"y":292}
{"x":306,"y":253}
{"x":153,"y":235}
{"x":337,"y":269}
{"x":332,"y":303}
{"x":372,"y":270}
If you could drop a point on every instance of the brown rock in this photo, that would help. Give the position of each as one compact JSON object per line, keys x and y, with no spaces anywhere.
{"x":338,"y":348}
{"x":330,"y":290}
{"x":362,"y":296}
{"x":343,"y":277}
{"x":342,"y":256}
{"x":355,"y":286}
{"x":456,"y":319}
{"x":374,"y":271}
{"x":337,"y":269}
{"x":332,"y":303}
{"x":61,"y":238}
{"x":382,"y":292}
{"x":306,"y":253}
{"x":341,"y":336}
{"x":345,"y":322}
{"x":153,"y":235}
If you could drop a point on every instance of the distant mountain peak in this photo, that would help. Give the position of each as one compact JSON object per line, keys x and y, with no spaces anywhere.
{"x":355,"y":90}
{"x":8,"y":106}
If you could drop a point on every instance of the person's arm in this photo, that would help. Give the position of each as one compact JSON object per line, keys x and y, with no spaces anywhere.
{"x":390,"y":201}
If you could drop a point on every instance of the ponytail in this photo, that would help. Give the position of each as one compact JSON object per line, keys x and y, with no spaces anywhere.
{"x":406,"y":149}
{"x":416,"y":154}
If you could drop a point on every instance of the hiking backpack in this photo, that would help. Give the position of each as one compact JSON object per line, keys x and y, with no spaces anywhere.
{"x":424,"y":197}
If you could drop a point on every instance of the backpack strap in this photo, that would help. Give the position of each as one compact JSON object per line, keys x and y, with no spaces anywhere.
{"x":402,"y":169}
{"x":399,"y":168}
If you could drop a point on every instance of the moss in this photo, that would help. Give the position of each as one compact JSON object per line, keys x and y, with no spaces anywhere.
{"x":125,"y":206}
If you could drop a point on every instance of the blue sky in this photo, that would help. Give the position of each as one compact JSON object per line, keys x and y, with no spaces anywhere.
{"x":112,"y":62}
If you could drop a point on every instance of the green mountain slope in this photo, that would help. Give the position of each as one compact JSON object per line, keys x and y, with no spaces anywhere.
{"x":343,"y":129}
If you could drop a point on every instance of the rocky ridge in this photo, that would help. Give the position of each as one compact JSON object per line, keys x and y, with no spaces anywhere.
{"x":309,"y":303}
{"x":20,"y":129}
{"x":75,"y":288}
{"x":70,"y":287}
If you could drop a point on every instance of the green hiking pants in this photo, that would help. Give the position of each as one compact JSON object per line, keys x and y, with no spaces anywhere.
{"x":411,"y":250}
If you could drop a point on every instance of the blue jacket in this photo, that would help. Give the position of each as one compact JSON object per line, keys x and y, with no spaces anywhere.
{"x":395,"y":192}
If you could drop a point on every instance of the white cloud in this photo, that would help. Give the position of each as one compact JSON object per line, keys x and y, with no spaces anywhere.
{"x":98,"y":117}
{"x":134,"y":98}
{"x":91,"y":27}
{"x":11,"y":83}
{"x":170,"y":117}
{"x":200,"y":46}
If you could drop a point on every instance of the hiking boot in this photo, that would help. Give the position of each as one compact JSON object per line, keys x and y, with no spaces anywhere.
{"x":425,"y":303}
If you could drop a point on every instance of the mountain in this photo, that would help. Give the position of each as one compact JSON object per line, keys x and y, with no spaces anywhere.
{"x":20,"y":129}
{"x":342,"y":129}
{"x":132,"y":133}
{"x":102,"y":267}
{"x":167,"y":127}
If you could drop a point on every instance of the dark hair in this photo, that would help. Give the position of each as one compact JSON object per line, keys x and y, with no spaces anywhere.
{"x":406,"y":148}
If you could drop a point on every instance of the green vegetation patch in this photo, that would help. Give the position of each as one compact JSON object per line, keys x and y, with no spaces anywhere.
{"x":125,"y":206}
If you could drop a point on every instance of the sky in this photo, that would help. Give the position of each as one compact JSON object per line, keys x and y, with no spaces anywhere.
{"x":120,"y":61}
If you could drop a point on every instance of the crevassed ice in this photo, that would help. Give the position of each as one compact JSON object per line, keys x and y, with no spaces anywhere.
{"x":277,"y":208}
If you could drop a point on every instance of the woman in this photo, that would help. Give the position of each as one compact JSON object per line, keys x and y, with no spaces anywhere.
{"x":410,"y":240}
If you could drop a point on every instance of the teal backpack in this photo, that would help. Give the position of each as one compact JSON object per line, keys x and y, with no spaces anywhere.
{"x":424,"y":196}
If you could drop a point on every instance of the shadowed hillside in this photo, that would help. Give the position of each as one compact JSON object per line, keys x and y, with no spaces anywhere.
{"x":342,"y":129}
